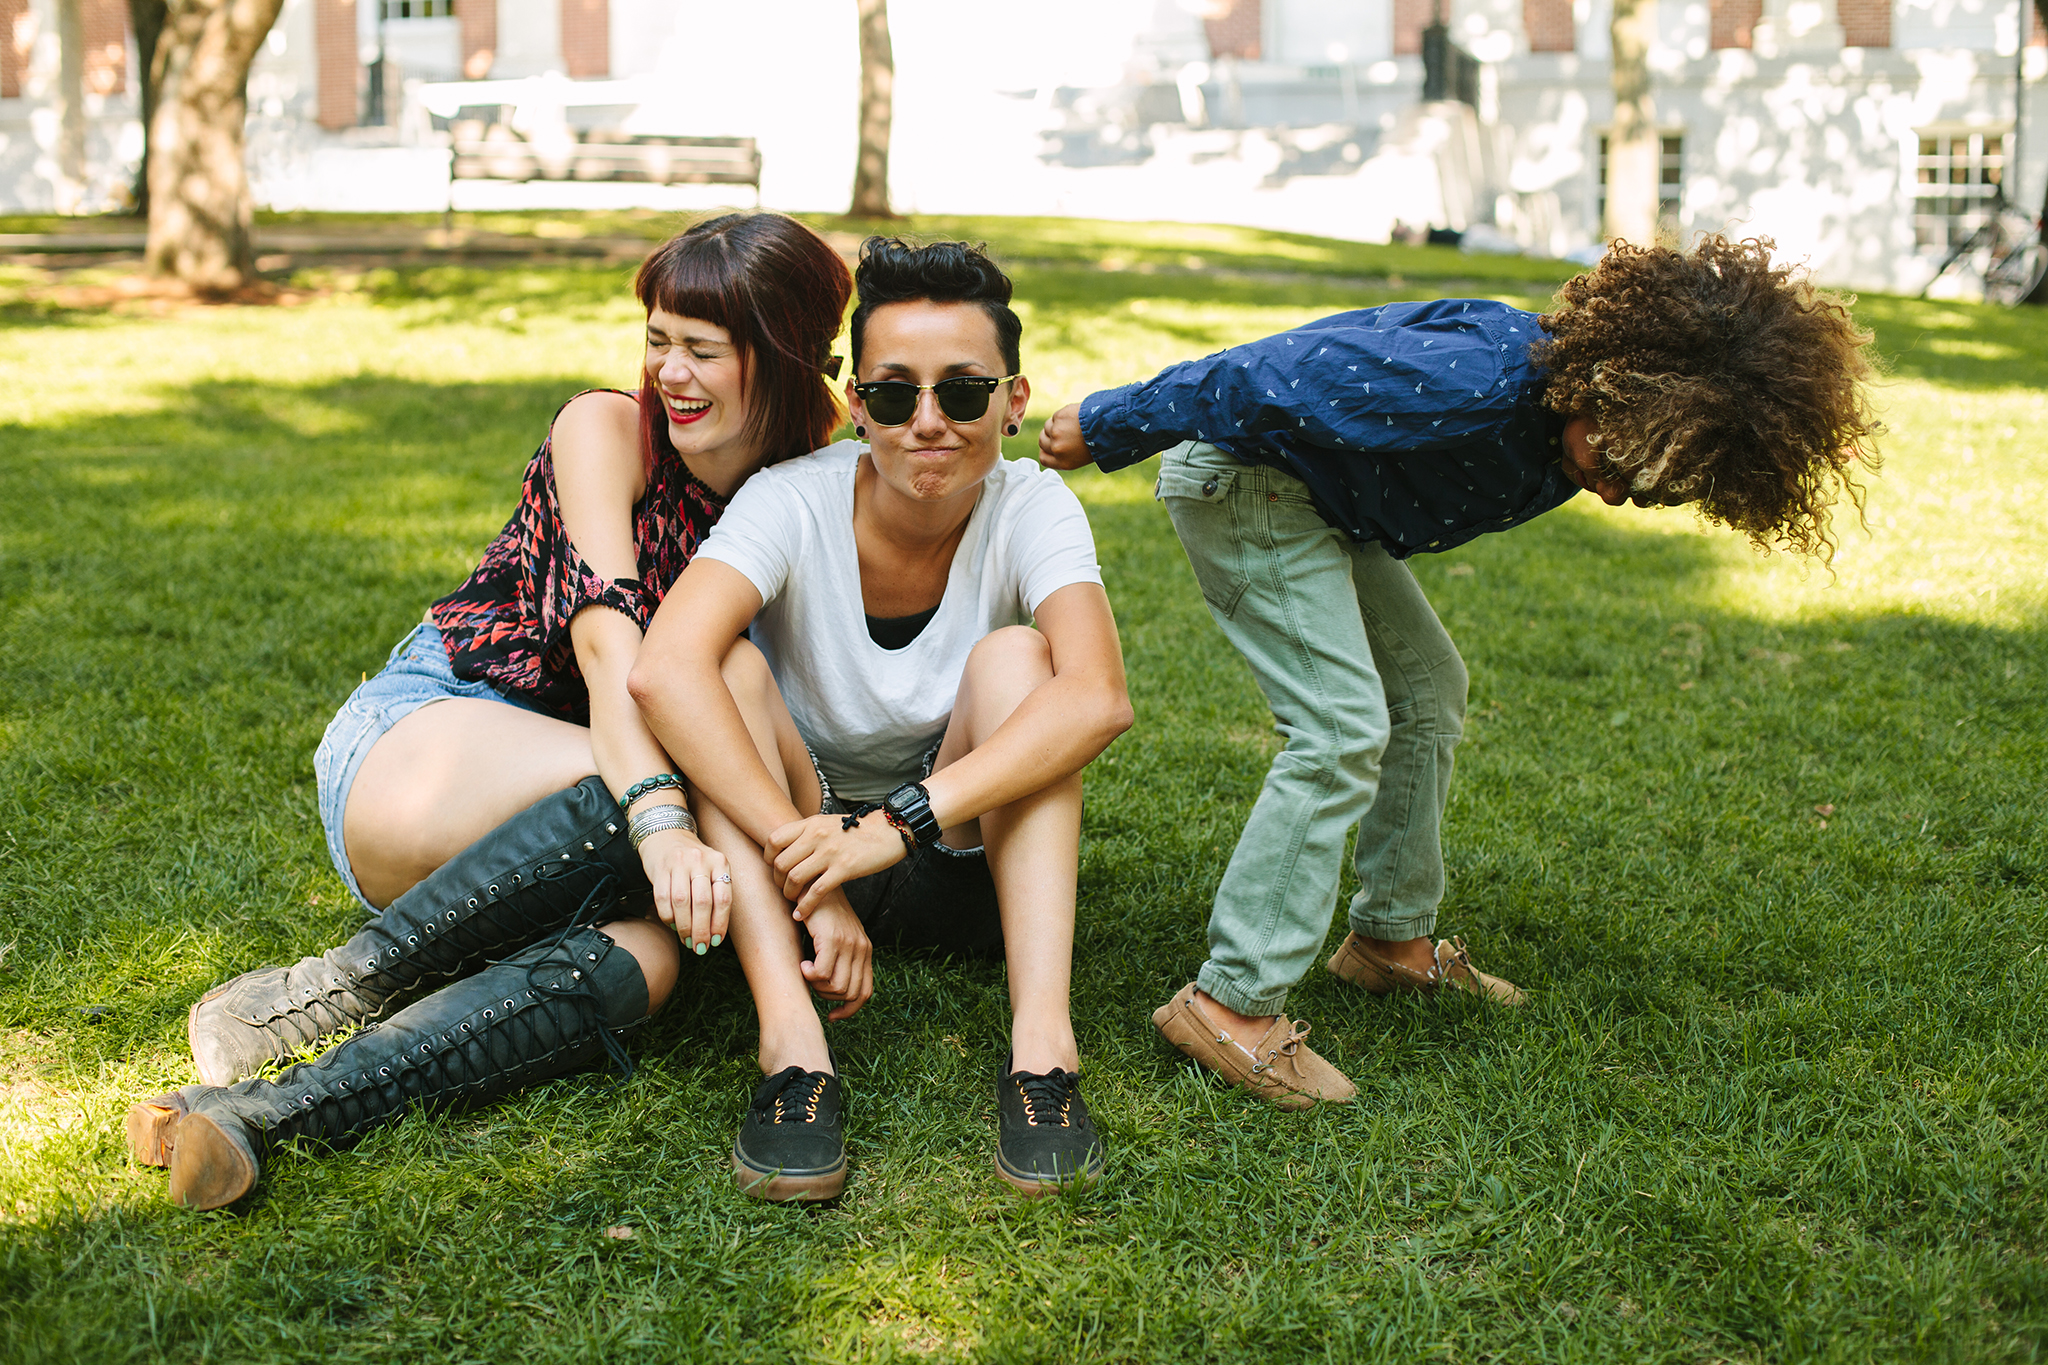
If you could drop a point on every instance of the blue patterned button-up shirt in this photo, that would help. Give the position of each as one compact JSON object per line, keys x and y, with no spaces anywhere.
{"x":1417,"y":425}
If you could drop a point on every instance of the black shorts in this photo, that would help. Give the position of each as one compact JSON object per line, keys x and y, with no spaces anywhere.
{"x":938,"y":899}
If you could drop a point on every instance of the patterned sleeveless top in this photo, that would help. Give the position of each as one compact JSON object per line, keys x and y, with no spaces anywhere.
{"x":508,"y":625}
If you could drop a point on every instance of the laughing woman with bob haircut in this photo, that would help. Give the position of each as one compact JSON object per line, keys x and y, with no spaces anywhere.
{"x":896,"y":756}
{"x":492,"y":797}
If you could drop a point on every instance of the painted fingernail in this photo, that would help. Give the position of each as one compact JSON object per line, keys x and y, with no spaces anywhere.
{"x":700,"y":950}
{"x":717,"y":939}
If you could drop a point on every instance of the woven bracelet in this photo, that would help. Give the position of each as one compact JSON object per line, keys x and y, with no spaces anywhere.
{"x":658,"y":782}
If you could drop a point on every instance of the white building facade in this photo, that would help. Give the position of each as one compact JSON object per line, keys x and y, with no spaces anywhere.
{"x":1863,"y":135}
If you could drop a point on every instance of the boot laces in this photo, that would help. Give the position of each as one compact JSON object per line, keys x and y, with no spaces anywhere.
{"x":595,"y":902}
{"x":1048,"y":1099}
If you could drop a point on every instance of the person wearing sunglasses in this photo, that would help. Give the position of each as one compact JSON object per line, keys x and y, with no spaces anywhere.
{"x":896,"y":755}
{"x":1302,"y":469}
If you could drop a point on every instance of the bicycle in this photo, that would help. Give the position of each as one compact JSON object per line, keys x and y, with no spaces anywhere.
{"x":2006,"y":255}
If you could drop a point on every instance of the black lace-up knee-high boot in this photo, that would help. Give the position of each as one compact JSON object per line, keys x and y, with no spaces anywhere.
{"x":557,"y":1007}
{"x":562,"y":861}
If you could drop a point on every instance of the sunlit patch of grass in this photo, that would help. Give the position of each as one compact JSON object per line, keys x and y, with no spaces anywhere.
{"x":1764,"y":843}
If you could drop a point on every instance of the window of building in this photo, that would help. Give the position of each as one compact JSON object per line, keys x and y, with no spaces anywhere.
{"x":1956,"y":180}
{"x":419,"y":9}
{"x":1670,"y":173}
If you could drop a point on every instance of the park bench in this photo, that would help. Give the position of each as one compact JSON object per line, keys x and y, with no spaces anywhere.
{"x":486,"y":148}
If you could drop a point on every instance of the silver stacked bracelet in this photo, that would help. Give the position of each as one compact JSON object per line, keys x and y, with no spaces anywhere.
{"x":655,"y":819}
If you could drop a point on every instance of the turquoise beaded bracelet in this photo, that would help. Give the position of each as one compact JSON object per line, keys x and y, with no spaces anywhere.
{"x":658,"y":782}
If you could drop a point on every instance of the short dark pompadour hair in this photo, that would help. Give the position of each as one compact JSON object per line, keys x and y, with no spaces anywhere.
{"x":892,"y":270}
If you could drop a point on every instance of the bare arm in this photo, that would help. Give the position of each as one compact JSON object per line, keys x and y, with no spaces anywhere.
{"x":679,"y":682}
{"x":681,"y":689}
{"x":598,"y":479}
{"x":1055,"y":732}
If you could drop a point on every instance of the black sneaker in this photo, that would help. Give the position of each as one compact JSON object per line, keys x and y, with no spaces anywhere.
{"x":790,"y":1144}
{"x":1047,"y":1139}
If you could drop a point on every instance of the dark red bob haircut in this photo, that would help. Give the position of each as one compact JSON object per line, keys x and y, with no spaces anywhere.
{"x":781,"y":292}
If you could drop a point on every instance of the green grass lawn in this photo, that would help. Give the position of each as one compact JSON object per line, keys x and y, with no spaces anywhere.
{"x":1765,"y":843}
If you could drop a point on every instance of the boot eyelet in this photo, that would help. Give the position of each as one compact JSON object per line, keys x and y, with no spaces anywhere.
{"x":591,"y":956}
{"x":589,"y":847}
{"x":465,"y":1028}
{"x":472,"y":902}
{"x":611,"y":828}
{"x":394,"y":952}
{"x":490,"y":1014}
{"x":306,"y":1100}
{"x":509,"y":1005}
{"x":575,"y":976}
{"x":412,"y":940}
{"x":494,"y":888}
{"x":383,"y":1071}
{"x":565,"y":857}
{"x":515,"y":879}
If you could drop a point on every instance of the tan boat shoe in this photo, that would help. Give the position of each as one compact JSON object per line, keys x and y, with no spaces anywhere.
{"x":1357,"y":962}
{"x":1279,"y":1068}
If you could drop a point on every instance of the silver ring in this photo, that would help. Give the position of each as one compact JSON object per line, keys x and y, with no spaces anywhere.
{"x":723,"y":877}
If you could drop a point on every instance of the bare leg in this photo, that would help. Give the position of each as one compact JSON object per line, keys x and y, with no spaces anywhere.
{"x":763,"y":934}
{"x":654,"y":947}
{"x":1034,"y":852}
{"x":445,"y":776}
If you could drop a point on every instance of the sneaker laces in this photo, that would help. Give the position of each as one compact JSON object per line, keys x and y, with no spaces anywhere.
{"x":1048,"y":1098}
{"x":794,"y":1097}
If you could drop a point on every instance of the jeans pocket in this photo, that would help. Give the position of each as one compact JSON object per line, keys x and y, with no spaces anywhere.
{"x":1205,"y":518}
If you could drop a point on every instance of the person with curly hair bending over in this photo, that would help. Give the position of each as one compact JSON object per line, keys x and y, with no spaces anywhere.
{"x":492,"y":796}
{"x":896,"y":756}
{"x":1302,"y":469}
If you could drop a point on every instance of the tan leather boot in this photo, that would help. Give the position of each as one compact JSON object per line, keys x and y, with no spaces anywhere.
{"x":1357,"y":962}
{"x":1279,"y":1068}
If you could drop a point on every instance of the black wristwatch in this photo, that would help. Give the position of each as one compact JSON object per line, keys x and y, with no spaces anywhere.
{"x":913,"y":804}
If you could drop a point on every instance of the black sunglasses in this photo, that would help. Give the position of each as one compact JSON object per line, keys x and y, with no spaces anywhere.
{"x":892,"y":402}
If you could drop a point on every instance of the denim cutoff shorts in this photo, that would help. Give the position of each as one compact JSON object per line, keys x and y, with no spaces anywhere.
{"x":416,"y":674}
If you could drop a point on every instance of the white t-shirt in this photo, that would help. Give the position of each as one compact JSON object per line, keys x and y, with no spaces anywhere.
{"x":869,"y":713}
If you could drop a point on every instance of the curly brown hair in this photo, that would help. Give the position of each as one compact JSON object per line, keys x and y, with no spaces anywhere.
{"x":1714,"y":377}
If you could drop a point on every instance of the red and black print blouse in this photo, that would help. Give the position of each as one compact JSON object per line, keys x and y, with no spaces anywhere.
{"x":508,"y":625}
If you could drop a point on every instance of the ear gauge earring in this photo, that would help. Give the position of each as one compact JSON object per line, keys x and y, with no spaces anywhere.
{"x":1010,"y":430}
{"x":861,"y":432}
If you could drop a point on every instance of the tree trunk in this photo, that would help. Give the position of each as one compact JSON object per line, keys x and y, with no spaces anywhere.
{"x":2040,"y":295}
{"x":1632,"y":142}
{"x":877,"y":95}
{"x":146,"y":17}
{"x":70,"y":107}
{"x":199,"y":207}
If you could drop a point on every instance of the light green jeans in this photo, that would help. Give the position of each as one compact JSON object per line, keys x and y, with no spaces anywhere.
{"x":1369,"y":692}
